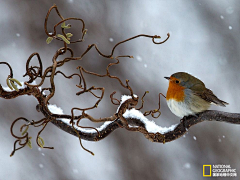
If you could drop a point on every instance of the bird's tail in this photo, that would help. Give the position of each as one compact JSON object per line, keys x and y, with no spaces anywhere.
{"x":219,"y":102}
{"x":214,"y":99}
{"x":208,"y":96}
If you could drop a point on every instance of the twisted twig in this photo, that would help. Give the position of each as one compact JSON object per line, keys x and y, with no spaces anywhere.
{"x":127,"y":115}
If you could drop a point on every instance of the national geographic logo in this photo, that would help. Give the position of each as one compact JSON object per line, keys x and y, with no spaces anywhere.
{"x":219,"y":170}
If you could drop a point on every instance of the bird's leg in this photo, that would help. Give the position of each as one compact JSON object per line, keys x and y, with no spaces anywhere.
{"x":183,"y":121}
{"x":195,"y":115}
{"x":185,"y":118}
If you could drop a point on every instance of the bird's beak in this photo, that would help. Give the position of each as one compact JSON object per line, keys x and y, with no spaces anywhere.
{"x":167,"y":78}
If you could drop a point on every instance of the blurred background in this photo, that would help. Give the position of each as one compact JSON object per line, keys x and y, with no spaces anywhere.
{"x":204,"y":42}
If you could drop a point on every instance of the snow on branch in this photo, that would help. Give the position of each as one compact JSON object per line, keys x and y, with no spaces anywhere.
{"x":155,"y":133}
{"x":128,"y":116}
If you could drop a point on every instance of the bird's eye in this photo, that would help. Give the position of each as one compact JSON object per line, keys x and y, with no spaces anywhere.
{"x":177,"y":81}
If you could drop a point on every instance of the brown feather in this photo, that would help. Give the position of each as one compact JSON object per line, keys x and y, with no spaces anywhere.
{"x":208,"y":96}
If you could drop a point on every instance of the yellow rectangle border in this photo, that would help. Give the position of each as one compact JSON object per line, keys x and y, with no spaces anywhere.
{"x":204,"y":175}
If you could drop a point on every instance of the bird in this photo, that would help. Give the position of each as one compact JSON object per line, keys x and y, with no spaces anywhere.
{"x":187,"y":95}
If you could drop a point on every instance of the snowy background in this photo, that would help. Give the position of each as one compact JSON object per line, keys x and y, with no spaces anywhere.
{"x":204,"y":41}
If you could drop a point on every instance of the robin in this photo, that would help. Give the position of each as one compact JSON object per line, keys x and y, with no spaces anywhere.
{"x":187,"y":95}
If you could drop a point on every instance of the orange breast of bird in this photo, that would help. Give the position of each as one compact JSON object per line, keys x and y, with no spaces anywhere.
{"x":175,"y":91}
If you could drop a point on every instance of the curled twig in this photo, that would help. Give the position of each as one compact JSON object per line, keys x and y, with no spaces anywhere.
{"x":142,"y":100}
{"x":153,"y":112}
{"x":39,"y":140}
{"x":10,"y":68}
{"x":153,"y":39}
{"x":62,"y":22}
{"x":19,"y":138}
{"x":112,"y":99}
{"x":37,"y":72}
{"x":30,"y":71}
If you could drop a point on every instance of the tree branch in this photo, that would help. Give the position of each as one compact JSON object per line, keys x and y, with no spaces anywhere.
{"x":179,"y":130}
{"x":127,"y":115}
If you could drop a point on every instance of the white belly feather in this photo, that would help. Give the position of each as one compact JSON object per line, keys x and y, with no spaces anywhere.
{"x":191,"y":105}
{"x":180,"y":109}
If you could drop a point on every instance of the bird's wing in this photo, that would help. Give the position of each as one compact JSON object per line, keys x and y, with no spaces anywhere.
{"x":208,"y":96}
